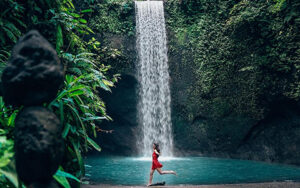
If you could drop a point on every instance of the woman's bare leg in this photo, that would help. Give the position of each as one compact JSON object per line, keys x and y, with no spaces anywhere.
{"x":165,"y":172}
{"x":151,"y":177}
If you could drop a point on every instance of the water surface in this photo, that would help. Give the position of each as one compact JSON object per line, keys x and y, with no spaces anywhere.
{"x":191,"y":170}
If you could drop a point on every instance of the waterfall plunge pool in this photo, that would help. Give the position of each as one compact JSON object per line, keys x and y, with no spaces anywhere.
{"x":190,"y":170}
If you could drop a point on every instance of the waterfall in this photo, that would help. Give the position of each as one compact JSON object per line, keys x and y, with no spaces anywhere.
{"x":154,"y":112}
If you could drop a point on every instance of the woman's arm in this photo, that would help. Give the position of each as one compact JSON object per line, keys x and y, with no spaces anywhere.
{"x":156,"y":152}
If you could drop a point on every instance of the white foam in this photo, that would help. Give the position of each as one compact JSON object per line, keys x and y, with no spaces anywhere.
{"x":160,"y":158}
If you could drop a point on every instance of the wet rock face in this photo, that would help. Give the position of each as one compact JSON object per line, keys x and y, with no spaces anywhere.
{"x":38,"y":144}
{"x":121,"y":106}
{"x":33,"y":74}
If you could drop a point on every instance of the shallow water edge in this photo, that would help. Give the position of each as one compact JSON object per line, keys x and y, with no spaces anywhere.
{"x":244,"y":185}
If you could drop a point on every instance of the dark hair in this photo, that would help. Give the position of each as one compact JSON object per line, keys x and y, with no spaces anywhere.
{"x":156,"y":147}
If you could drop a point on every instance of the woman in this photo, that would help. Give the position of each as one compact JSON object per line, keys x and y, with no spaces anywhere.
{"x":157,"y":165}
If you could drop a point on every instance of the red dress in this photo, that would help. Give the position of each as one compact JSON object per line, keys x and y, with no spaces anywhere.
{"x":155,"y":163}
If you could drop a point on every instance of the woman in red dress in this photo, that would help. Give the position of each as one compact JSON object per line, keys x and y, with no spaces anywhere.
{"x":156,"y":165}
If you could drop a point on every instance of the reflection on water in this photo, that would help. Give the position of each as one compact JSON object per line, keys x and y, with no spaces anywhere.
{"x":191,"y":170}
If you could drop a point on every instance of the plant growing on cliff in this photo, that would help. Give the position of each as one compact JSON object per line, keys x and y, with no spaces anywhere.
{"x":237,"y":52}
{"x":115,"y":17}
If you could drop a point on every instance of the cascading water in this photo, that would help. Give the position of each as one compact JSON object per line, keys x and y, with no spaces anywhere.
{"x":154,"y":111}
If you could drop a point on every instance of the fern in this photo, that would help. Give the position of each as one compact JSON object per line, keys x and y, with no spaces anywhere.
{"x":13,"y":29}
{"x":2,"y":38}
{"x":10,"y":34}
{"x":75,"y":71}
{"x":21,"y":23}
{"x":10,"y":22}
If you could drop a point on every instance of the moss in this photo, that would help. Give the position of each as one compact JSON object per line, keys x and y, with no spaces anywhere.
{"x":115,"y":17}
{"x":236,"y":52}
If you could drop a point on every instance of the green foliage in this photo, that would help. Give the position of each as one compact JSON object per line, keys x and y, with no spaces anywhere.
{"x":59,"y":39}
{"x":245,"y":54}
{"x":6,"y":150}
{"x":61,"y":177}
{"x":77,"y":104}
{"x":11,"y":26}
{"x":79,"y":107}
{"x":280,"y":4}
{"x":4,"y":55}
{"x":10,"y":21}
{"x":114,"y":16}
{"x":7,"y":119}
{"x":8,"y":175}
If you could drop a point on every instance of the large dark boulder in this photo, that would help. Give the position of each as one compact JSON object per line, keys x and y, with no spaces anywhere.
{"x":33,"y":74}
{"x":38,"y":145}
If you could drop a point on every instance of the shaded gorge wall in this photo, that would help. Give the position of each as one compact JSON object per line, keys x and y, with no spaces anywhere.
{"x":234,"y":70}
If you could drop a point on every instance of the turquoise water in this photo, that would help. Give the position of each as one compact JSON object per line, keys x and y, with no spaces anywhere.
{"x":192,"y":170}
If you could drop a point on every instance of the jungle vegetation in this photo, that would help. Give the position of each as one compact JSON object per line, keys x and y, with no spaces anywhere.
{"x":244,"y":61}
{"x":245,"y":53}
{"x":77,"y":104}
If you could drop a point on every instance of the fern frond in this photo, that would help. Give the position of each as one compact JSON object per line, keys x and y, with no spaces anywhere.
{"x":10,"y":34}
{"x":2,"y":38}
{"x":75,"y":71}
{"x":13,"y":29}
{"x":19,"y":22}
